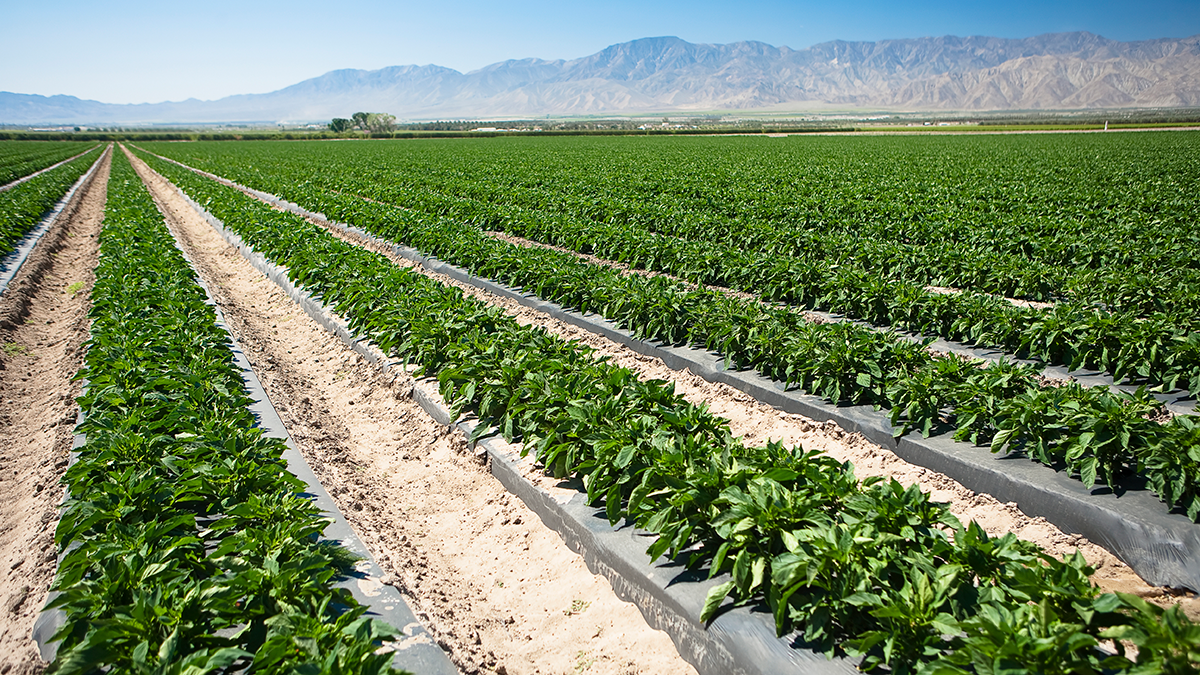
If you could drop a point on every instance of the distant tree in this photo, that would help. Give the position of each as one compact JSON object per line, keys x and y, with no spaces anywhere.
{"x":381,"y":123}
{"x":360,"y":120}
{"x":340,"y":125}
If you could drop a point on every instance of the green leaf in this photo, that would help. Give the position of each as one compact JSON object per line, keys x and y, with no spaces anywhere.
{"x":1001,"y":439}
{"x":1087,"y":471}
{"x":712,"y":601}
{"x":625,"y":456}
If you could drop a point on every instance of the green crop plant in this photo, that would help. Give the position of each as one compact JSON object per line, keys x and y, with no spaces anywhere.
{"x":837,"y":240}
{"x":866,"y":568}
{"x":186,"y":546}
{"x":21,"y":158}
{"x":24,"y":205}
{"x":839,"y":361}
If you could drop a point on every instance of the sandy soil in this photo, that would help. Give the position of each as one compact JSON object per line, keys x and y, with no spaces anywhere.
{"x":499,"y":591}
{"x":1016,"y":302}
{"x":43,"y":325}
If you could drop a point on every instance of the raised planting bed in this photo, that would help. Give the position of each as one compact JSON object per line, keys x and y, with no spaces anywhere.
{"x":1163,"y":547}
{"x":188,"y":539}
{"x":830,"y":557}
{"x":21,"y":235}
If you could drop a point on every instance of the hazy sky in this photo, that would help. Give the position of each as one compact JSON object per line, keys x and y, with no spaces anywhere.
{"x":134,"y":51}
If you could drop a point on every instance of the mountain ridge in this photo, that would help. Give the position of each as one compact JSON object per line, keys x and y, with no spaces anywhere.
{"x":670,"y":75}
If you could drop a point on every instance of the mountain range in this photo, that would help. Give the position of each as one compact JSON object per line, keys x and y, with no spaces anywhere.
{"x":666,"y":74}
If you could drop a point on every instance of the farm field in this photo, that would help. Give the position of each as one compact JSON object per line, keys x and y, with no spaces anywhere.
{"x":876,"y":233}
{"x":828,"y":265}
{"x":18,"y":160}
{"x":1099,"y":435}
{"x":24,"y":202}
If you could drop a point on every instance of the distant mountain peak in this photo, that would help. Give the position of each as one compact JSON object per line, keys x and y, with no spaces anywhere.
{"x":669,"y":74}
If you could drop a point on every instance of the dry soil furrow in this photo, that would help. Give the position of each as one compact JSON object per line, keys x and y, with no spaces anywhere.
{"x":500,"y":591}
{"x":43,"y":327}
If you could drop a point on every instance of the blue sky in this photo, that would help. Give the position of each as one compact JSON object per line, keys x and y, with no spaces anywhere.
{"x":134,"y":51}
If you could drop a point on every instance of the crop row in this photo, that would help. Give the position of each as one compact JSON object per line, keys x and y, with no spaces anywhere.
{"x":1044,"y":218}
{"x":1097,"y":434}
{"x":864,"y":568}
{"x":188,"y":547}
{"x":1063,"y":235}
{"x":21,"y":158}
{"x":24,"y":206}
{"x":1161,"y":350}
{"x":1075,"y":272}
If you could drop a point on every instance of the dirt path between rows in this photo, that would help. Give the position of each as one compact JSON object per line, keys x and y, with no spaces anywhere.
{"x":499,"y":591}
{"x":758,"y":422}
{"x":43,"y":326}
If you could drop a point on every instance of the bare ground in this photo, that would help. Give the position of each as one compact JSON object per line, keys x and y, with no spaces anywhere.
{"x":499,"y":591}
{"x":43,"y":326}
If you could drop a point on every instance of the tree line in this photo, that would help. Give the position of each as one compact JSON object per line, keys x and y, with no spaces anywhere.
{"x":375,"y":123}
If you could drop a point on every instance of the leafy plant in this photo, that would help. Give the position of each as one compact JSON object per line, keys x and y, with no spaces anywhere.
{"x":186,"y":546}
{"x":23,"y":206}
{"x":870,"y":568}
